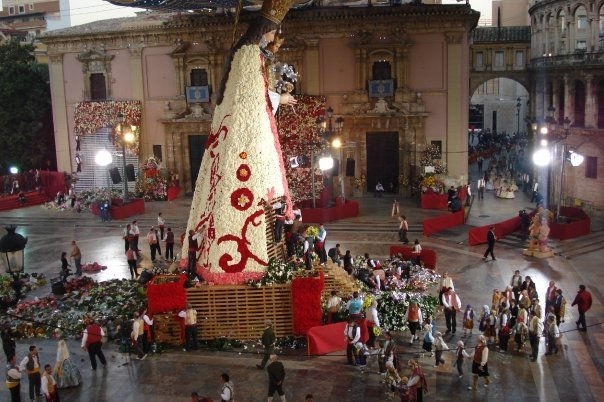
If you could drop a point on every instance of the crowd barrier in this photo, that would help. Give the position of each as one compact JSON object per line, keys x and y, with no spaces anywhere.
{"x":442,"y":222}
{"x":431,"y":200}
{"x":349,"y":209}
{"x":580,"y":224}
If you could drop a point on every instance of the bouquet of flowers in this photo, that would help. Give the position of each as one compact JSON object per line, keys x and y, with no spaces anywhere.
{"x":312,"y":231}
{"x":359,"y":182}
{"x":278,"y":272}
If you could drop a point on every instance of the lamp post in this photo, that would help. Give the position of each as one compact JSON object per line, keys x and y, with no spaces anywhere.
{"x":127,"y":137}
{"x":12,"y":256}
{"x":102,"y":159}
{"x":518,"y":105}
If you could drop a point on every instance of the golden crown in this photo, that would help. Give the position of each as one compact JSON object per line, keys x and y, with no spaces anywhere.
{"x":275,"y":10}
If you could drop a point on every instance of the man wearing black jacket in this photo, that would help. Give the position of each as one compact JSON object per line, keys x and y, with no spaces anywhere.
{"x":491,"y":243}
{"x":276,"y":375}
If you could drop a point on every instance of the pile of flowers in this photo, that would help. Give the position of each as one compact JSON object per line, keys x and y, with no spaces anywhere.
{"x":359,"y":182}
{"x":28,"y":282}
{"x":405,"y":281}
{"x":277,"y":272}
{"x":431,"y":182}
{"x":152,"y":184}
{"x":108,"y":302}
{"x":95,"y":195}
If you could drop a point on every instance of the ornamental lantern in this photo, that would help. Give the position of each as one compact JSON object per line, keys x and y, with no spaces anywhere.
{"x":12,"y":246}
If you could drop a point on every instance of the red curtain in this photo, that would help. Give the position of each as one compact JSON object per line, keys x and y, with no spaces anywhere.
{"x":306,"y":301}
{"x":330,"y":338}
{"x":349,"y":209}
{"x":442,"y":222}
{"x":165,"y":297}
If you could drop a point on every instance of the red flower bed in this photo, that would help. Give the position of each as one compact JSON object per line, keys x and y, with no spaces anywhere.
{"x":306,"y":300}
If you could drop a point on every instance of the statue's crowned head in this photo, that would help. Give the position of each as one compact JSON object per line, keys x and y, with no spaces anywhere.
{"x":275,"y":10}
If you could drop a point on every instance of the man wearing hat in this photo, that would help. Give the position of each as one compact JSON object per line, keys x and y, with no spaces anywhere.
{"x":268,"y":341}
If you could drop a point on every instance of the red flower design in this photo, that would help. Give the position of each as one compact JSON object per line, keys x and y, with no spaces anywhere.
{"x":242,"y":199}
{"x":242,"y":246}
{"x":243,"y":172}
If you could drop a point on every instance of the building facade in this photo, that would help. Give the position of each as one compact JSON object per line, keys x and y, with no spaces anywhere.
{"x":34,"y":16}
{"x":422,"y":49}
{"x":567,"y":83}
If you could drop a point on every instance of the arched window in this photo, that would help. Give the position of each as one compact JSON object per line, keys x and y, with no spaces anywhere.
{"x":551,"y":33}
{"x":562,"y":23}
{"x":381,"y":70}
{"x":579,"y":104}
{"x":581,"y":25}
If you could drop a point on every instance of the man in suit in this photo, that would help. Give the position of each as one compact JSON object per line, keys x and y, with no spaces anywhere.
{"x":491,"y":243}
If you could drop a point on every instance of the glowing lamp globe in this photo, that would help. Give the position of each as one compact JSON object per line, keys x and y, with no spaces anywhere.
{"x":13,"y":170}
{"x":103,"y":158}
{"x":544,"y":130}
{"x":336,"y":143}
{"x":326,"y":163}
{"x":542,"y":157}
{"x":129,"y":137}
{"x":576,"y":159}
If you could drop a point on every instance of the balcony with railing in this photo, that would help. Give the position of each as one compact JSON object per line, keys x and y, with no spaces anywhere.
{"x":579,"y":58}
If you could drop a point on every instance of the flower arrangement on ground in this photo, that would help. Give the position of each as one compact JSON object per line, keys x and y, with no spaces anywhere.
{"x":431,"y":183}
{"x":108,"y":302}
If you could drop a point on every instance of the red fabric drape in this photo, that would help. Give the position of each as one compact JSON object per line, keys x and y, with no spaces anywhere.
{"x":306,"y":301}
{"x":580,"y":224}
{"x":348,"y":209}
{"x":441,"y":222}
{"x":330,"y":338}
{"x":166,"y":297}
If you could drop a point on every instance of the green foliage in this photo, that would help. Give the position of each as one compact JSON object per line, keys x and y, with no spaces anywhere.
{"x":25,"y":107}
{"x":278,"y":272}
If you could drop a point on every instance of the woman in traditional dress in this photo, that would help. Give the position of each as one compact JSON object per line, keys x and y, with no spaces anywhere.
{"x":66,"y":372}
{"x":242,"y":172}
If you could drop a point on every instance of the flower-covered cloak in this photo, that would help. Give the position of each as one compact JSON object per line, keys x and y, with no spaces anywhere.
{"x":242,"y":169}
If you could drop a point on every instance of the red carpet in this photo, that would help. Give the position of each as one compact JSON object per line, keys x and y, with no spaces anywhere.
{"x":12,"y":201}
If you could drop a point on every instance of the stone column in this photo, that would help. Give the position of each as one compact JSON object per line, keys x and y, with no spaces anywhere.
{"x":138,"y":93}
{"x":568,"y":99}
{"x":312,"y":67}
{"x":59,"y":113}
{"x":457,"y":136}
{"x":556,"y":99}
{"x":539,"y":99}
{"x":591,"y":111}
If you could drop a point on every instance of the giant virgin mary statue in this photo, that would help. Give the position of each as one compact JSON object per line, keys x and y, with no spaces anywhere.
{"x":242,"y":172}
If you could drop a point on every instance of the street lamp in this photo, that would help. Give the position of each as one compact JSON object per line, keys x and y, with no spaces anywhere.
{"x":542,"y":157}
{"x":12,"y":256}
{"x":127,"y":137}
{"x":325,"y":162}
{"x":104,"y":158}
{"x":518,"y":105}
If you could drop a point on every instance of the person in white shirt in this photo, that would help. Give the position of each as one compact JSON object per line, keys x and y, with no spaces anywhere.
{"x":352,"y":332}
{"x":148,"y":329}
{"x":161,"y":223}
{"x":371,"y":315}
{"x":190,"y":316}
{"x":535,"y":191}
{"x":13,"y":379}
{"x":49,"y":385}
{"x":31,"y":363}
{"x":481,"y":185}
{"x":469,"y":195}
{"x":417,"y":250}
{"x":320,"y":245}
{"x":333,"y":306}
{"x":480,"y":368}
{"x":136,"y":233}
{"x":153,"y":242}
{"x":446,"y":282}
{"x":452,"y":305}
{"x":227,"y":392}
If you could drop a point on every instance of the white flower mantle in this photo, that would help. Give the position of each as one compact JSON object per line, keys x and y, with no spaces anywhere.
{"x":242,"y":134}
